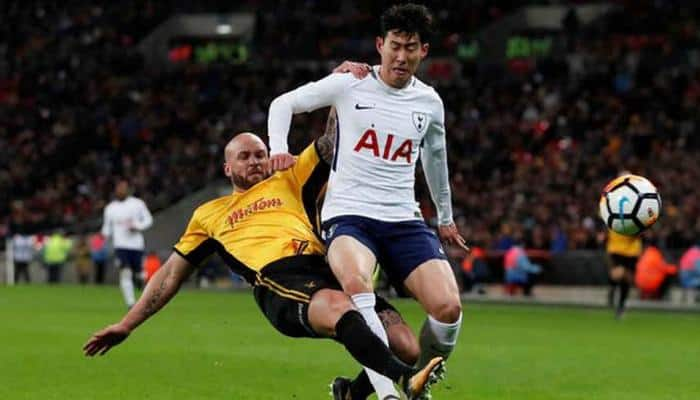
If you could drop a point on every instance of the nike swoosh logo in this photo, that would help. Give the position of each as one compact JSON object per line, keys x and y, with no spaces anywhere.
{"x":363,"y":107}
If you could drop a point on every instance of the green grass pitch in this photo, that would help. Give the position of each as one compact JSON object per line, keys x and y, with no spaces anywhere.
{"x":217,"y":345}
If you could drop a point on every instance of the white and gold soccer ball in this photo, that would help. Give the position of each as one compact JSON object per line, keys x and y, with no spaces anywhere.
{"x":630,"y":204}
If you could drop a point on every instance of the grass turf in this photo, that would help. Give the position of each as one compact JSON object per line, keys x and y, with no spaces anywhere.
{"x":215,"y":345}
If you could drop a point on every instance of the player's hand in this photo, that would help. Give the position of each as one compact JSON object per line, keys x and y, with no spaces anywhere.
{"x":281,"y":161}
{"x":449,"y":234}
{"x":132,"y":228}
{"x":103,"y":340}
{"x":358,"y":70}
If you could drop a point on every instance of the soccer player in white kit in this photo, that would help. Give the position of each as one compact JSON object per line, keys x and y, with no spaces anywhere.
{"x":369,"y":214}
{"x":125,"y":218}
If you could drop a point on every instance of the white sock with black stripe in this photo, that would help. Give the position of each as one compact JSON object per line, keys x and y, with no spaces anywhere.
{"x":365,"y":303}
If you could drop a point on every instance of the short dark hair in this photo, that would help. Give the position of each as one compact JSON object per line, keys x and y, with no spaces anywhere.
{"x":408,"y":18}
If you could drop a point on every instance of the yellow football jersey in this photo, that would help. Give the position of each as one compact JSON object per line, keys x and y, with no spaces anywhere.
{"x":628,"y":246}
{"x":274,"y":219}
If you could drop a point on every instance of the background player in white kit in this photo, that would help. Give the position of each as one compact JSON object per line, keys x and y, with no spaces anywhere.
{"x":370,"y":213}
{"x":125,"y":218}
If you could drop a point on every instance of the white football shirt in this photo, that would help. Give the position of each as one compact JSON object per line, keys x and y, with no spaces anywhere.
{"x":379,"y":133}
{"x":119,"y":216}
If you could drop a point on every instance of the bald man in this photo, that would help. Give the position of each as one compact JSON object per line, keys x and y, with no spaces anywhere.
{"x":265,"y":232}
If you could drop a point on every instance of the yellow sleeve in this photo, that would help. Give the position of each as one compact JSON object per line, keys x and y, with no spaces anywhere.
{"x":307,"y":163}
{"x":195,"y":244}
{"x":309,"y":176}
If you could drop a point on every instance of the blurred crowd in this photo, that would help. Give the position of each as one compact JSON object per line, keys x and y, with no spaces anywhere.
{"x":532,"y":147}
{"x":531,"y":143}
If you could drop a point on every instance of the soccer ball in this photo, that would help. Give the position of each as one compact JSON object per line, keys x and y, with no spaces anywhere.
{"x":629,"y":204}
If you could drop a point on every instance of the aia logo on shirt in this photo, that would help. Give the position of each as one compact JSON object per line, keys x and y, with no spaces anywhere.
{"x":390,"y":149}
{"x":258,"y":205}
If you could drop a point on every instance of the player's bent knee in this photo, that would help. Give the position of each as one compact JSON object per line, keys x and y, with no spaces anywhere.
{"x":617,"y":273}
{"x":340,"y":303}
{"x":357,"y":284}
{"x":447,"y":312}
{"x":326,"y":308}
{"x":332,"y":303}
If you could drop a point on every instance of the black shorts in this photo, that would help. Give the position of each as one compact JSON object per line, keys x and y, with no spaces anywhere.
{"x":284,"y":289}
{"x":629,"y":263}
{"x":130,"y":258}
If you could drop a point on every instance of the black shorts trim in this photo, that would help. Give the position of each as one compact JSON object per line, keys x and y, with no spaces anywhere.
{"x":298,"y":276}
{"x":281,"y":290}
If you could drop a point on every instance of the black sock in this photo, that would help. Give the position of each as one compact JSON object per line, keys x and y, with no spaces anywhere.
{"x":611,"y":294}
{"x":367,"y":348}
{"x":624,"y":290}
{"x":361,"y":387}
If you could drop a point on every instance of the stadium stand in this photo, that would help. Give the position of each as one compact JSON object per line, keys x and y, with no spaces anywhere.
{"x":531,"y":142}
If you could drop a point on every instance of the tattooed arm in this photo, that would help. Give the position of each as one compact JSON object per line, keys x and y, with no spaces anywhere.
{"x":326,"y":143}
{"x":160,"y":289}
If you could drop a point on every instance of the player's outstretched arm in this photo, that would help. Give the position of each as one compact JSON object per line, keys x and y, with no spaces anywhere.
{"x":326,"y":143}
{"x":160,"y":289}
{"x":310,"y":97}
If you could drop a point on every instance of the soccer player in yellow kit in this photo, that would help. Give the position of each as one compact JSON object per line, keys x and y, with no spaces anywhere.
{"x":623,"y":252}
{"x":265,"y":232}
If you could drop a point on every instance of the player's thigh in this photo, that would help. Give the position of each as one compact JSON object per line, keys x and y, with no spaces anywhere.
{"x":128,"y":258}
{"x":136,"y":260}
{"x":301,"y":297}
{"x":288,"y":314}
{"x":622,"y":267}
{"x":434,"y":285}
{"x":352,"y":263}
{"x":121,"y":259}
{"x":616,"y":273}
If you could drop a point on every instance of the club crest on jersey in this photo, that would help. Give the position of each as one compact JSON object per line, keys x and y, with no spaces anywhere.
{"x":299,"y":245}
{"x":329,"y":232}
{"x":420,"y":121}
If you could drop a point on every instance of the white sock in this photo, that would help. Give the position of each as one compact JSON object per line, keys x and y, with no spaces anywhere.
{"x":126,"y":284}
{"x":437,"y":339}
{"x":365,"y":302}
